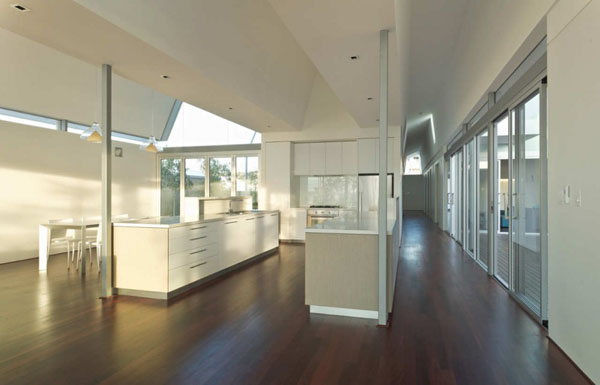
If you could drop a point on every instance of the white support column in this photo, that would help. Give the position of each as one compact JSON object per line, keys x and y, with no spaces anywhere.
{"x":382,"y":215}
{"x":106,"y":223}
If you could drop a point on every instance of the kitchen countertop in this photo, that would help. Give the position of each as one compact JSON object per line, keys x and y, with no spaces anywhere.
{"x":177,"y":221}
{"x":351,"y":224}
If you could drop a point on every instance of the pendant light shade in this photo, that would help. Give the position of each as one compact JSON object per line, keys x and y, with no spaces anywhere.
{"x":152,"y":145}
{"x":92,"y":134}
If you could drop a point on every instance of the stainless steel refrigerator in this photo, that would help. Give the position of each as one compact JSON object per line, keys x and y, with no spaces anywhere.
{"x":368,"y":192}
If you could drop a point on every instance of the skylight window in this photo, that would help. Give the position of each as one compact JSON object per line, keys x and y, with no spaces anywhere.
{"x":196,"y":127}
{"x":28,"y":119}
{"x":413,"y":164}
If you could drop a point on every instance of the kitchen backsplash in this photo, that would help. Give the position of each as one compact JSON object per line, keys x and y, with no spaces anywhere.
{"x":327,"y":190}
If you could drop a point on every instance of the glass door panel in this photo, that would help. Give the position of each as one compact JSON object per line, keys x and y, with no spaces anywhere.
{"x":458,"y":199}
{"x":470,"y":197}
{"x":451,"y":217}
{"x":482,"y":198}
{"x":502,"y":203}
{"x":526,"y":241}
{"x":170,"y":185}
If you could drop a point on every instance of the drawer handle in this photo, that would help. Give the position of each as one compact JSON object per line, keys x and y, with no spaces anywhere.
{"x":200,"y":264}
{"x":228,"y":223}
{"x":198,"y":228}
{"x":274,"y":215}
{"x":262,"y":216}
{"x":250,"y":219}
{"x":202,"y":237}
{"x":197,"y":252}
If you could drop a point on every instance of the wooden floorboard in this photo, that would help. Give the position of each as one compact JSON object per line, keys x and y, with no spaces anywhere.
{"x":452,"y":325}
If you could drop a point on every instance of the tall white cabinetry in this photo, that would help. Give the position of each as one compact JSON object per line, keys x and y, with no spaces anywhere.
{"x":326,"y":158}
{"x":277,"y":181}
{"x":368,"y":155}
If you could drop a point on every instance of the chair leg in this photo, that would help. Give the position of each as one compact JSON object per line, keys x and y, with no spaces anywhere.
{"x":98,"y":252}
{"x":68,"y":257}
{"x":78,"y":256}
{"x":90,"y":254}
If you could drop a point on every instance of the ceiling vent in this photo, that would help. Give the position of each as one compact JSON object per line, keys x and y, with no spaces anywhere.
{"x":20,"y":8}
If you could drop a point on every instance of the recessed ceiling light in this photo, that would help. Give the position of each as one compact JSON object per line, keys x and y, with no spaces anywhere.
{"x":369,"y":98}
{"x":354,"y":57}
{"x":20,"y":8}
{"x":164,"y":76}
{"x":231,"y":108}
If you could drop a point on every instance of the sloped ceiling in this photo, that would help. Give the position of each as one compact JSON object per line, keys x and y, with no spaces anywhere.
{"x":218,"y":54}
{"x":330,"y":32}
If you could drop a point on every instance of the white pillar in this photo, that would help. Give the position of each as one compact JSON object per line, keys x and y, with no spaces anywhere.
{"x":382,"y":215}
{"x":106,"y":223}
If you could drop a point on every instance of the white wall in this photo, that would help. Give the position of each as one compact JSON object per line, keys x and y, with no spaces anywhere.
{"x":50,"y":174}
{"x":573,"y":138}
{"x":413,"y":195}
{"x":40,"y":80}
{"x":488,"y":49}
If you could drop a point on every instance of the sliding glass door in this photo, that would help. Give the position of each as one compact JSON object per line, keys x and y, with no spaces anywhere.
{"x":470,"y":190}
{"x":482,"y":199}
{"x":502,"y":160}
{"x":527,"y":203}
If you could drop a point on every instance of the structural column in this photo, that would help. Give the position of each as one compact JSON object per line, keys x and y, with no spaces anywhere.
{"x":382,"y":206}
{"x":106,"y":225}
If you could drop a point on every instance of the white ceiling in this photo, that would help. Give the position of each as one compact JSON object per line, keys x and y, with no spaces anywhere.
{"x":434,"y":29}
{"x":330,"y":31}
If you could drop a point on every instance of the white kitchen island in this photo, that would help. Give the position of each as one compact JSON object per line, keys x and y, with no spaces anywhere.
{"x":162,"y":257}
{"x":342,"y":266}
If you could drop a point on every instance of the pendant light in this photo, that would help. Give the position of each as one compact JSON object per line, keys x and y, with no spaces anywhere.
{"x":93,"y":134}
{"x":152,"y":144}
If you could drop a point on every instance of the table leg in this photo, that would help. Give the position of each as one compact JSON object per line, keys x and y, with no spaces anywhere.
{"x":83,"y":253}
{"x":44,"y":247}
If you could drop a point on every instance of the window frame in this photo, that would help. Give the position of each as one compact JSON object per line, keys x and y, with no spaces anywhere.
{"x":207,"y":155}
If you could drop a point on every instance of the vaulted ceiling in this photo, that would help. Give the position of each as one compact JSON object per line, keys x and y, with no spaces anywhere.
{"x":254,"y":62}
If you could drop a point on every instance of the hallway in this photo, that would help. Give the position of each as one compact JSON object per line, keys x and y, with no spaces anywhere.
{"x":452,"y":325}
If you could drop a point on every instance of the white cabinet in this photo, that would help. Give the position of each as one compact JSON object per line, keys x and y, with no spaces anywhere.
{"x":271,"y":231}
{"x":231,"y":249}
{"x":349,"y":158}
{"x":317,"y":159}
{"x":247,"y":238}
{"x":333,"y":158}
{"x":301,"y":159}
{"x":368,"y":155}
{"x":328,"y":158}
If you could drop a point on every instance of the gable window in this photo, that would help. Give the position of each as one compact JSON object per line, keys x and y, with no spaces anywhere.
{"x":196,"y":127}
{"x":413,"y":164}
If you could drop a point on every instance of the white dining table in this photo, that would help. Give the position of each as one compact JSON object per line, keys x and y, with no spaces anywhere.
{"x":44,"y":241}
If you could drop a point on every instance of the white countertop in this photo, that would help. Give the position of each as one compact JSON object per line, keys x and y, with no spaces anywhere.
{"x":351,"y":224}
{"x":176,"y":221}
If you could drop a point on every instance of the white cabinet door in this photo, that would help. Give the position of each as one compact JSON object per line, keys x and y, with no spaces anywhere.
{"x":231,"y":242}
{"x":246,"y":238}
{"x":333,"y":158}
{"x":317,"y":158}
{"x":368,"y":156}
{"x":271,"y":231}
{"x":349,"y":158}
{"x":302,"y":159}
{"x":260,"y":240}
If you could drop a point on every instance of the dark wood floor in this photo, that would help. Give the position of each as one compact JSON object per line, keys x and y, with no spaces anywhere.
{"x":452,"y":325}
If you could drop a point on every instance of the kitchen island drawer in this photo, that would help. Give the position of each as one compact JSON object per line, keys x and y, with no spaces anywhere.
{"x":194,"y":255}
{"x":192,"y":231}
{"x":178,"y":245}
{"x":192,"y":272}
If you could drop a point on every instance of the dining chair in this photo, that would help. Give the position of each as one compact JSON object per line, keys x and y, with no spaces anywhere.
{"x":69,"y":238}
